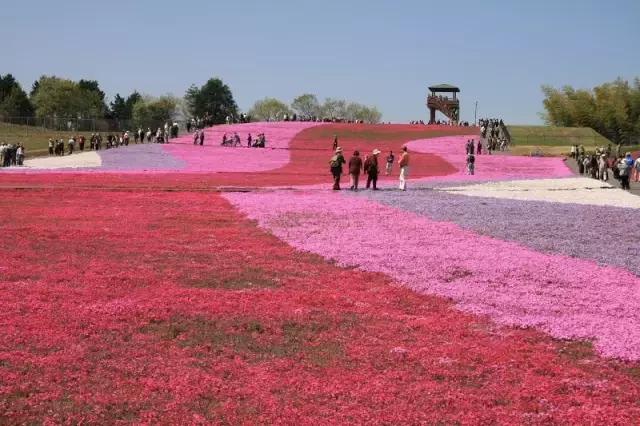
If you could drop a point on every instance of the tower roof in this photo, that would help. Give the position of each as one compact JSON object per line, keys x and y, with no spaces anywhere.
{"x":444,"y":88}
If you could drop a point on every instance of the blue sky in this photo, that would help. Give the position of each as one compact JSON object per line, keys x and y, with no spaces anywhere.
{"x":383,"y":53}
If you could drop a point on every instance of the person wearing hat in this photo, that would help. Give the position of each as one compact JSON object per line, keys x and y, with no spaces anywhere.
{"x":335,"y":165}
{"x":372,"y":170}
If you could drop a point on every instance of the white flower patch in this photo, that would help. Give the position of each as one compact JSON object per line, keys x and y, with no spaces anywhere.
{"x":74,"y":161}
{"x":569,"y":190}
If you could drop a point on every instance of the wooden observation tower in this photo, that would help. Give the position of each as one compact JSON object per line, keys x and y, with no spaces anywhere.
{"x":443,"y":98}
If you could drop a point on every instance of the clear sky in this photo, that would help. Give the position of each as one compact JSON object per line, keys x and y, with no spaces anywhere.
{"x":376,"y":52}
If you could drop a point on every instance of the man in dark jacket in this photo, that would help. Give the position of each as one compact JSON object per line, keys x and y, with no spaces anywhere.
{"x":335,"y":164}
{"x":355,"y":166}
{"x":372,"y":170}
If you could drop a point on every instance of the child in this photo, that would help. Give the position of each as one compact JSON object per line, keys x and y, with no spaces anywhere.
{"x":471,"y":159}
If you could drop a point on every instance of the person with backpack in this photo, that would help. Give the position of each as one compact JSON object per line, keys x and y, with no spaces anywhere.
{"x":335,"y":166}
{"x":471,"y":160}
{"x":355,"y":166}
{"x":624,"y":171}
{"x":372,"y":170}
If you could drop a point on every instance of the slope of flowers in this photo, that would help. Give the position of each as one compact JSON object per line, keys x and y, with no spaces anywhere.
{"x":167,"y":307}
{"x":211,"y":157}
{"x":489,"y":167}
{"x":566,"y":297}
{"x":575,"y":230}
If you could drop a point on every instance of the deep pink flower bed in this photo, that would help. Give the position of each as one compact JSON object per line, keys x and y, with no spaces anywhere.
{"x":512,"y":284}
{"x":212,"y":157}
{"x":169,"y":307}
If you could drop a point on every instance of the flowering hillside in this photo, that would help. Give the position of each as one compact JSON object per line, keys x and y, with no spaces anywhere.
{"x":211,"y":285}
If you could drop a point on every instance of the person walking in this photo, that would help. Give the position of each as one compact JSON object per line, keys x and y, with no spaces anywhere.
{"x":602,"y":168}
{"x":624,"y":171}
{"x":390,"y":159}
{"x":335,"y":142}
{"x":404,"y":168}
{"x":372,"y":170}
{"x":355,"y":166}
{"x":201,"y":137}
{"x":471,"y":167}
{"x":20,"y":155}
{"x":636,"y":170}
{"x":335,"y":165}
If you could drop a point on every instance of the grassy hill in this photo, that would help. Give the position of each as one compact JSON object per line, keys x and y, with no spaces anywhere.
{"x":35,"y":139}
{"x":554,"y":140}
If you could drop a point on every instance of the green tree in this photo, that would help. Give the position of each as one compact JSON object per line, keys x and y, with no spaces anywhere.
{"x":154,"y":112}
{"x":306,"y":105}
{"x":119,"y":107}
{"x":269,"y":109}
{"x":333,"y":108}
{"x":64,"y":98}
{"x":17,"y":104}
{"x":355,"y":111}
{"x":7,"y":84}
{"x":214,"y":98}
{"x":612,"y":109}
{"x":13,"y":100}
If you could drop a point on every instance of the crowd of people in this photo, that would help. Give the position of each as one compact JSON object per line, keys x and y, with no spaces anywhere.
{"x":598,"y":164}
{"x":495,"y":132}
{"x":111,"y":140}
{"x":11,"y":154}
{"x":370,"y":166}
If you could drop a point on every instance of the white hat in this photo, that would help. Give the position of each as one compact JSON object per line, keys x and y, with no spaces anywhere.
{"x":338,"y":149}
{"x":376,"y":151}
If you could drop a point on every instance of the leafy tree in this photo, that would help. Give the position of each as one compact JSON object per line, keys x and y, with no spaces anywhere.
{"x":119,"y":107}
{"x":130,"y":102}
{"x":34,"y":87}
{"x":91,"y":86}
{"x":64,"y":98}
{"x":13,"y":100}
{"x":269,"y":109}
{"x":355,"y":111}
{"x":7,"y":83}
{"x":306,"y":105}
{"x":214,"y":98}
{"x":154,"y":112}
{"x":612,"y":109}
{"x":333,"y":108}
{"x":17,"y":104}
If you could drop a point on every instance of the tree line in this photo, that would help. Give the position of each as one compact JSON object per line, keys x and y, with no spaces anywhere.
{"x":612,"y":109}
{"x":308,"y":107}
{"x":52,"y":96}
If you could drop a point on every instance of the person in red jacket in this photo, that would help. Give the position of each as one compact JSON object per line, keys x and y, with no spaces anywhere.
{"x":355,"y":166}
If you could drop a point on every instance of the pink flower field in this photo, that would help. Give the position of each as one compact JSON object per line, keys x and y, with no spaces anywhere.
{"x":183,"y":284}
{"x":215,"y":158}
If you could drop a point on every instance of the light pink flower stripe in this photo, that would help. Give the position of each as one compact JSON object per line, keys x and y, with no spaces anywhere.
{"x":214,"y":158}
{"x":566,"y":297}
{"x":488,"y":167}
